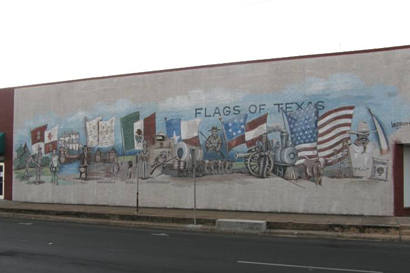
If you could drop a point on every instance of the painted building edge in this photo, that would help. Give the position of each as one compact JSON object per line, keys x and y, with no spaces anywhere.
{"x":113,"y":193}
{"x":6,"y":126}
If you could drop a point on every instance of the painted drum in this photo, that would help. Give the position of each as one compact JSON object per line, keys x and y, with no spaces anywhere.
{"x":182,"y":151}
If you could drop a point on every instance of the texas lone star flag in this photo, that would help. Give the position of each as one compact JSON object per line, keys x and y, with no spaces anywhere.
{"x":190,"y":131}
{"x":173,"y":129}
{"x":183,"y":130}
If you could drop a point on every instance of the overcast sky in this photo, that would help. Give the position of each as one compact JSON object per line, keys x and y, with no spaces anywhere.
{"x":46,"y":41}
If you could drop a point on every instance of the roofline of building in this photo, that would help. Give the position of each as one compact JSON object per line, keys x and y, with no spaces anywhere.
{"x":363,"y":51}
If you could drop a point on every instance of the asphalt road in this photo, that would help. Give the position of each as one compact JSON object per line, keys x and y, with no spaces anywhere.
{"x":36,"y":246}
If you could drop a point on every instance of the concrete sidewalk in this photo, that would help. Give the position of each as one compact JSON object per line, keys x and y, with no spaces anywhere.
{"x":279,"y":224}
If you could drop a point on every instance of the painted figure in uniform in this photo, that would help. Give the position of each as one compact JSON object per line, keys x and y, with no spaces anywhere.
{"x":129,"y":170}
{"x":54,"y":167}
{"x":213,"y":142}
{"x":115,"y":167}
{"x":142,"y":162}
{"x":313,"y":169}
{"x":84,"y":163}
{"x":362,"y":151}
{"x":29,"y":160}
{"x":139,"y":140}
{"x":264,"y":146}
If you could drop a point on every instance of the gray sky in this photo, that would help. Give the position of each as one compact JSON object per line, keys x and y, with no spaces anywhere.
{"x":45,"y":41}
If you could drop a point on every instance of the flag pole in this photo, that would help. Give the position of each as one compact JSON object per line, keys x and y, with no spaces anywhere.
{"x":166,"y":132}
{"x":224,"y":134}
{"x":138,"y":188}
{"x":193,"y":159}
{"x":86,"y":132}
{"x":122,"y":137}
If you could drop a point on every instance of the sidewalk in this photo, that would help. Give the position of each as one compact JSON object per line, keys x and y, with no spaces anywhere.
{"x":277,"y":224}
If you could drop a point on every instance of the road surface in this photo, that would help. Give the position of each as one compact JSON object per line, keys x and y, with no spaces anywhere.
{"x":37,"y":246}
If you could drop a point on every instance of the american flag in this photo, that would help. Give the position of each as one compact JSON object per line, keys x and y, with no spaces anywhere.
{"x":333,"y":134}
{"x":323,"y":137}
{"x":303,"y":132}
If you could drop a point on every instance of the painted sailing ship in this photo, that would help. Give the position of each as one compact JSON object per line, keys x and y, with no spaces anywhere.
{"x":69,"y":147}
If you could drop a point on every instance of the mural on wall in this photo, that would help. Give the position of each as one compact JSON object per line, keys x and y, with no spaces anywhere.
{"x":289,"y":135}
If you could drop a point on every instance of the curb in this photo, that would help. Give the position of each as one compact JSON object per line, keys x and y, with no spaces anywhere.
{"x":332,"y":227}
{"x":278,"y":229}
{"x":111,"y":216}
{"x":109,"y":222}
{"x":339,"y":235}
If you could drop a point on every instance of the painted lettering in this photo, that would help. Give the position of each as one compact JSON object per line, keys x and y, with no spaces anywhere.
{"x":252,"y":108}
{"x":198,"y":111}
{"x":236,"y":110}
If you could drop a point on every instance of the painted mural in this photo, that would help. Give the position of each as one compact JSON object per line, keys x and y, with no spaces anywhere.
{"x":293,"y":135}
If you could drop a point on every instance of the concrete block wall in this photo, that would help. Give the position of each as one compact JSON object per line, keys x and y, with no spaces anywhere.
{"x":305,"y":135}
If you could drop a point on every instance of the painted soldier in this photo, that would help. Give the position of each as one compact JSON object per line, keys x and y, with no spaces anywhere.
{"x":265,"y":161}
{"x":28,"y":161}
{"x":139,"y":140}
{"x":213,"y":142}
{"x":142,"y":162}
{"x":129,"y":171}
{"x":115,"y":167}
{"x":264,"y":144}
{"x":84,"y":163}
{"x":54,"y":167}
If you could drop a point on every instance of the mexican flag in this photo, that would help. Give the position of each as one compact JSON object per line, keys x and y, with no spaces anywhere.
{"x":148,"y":130}
{"x":127,"y":130}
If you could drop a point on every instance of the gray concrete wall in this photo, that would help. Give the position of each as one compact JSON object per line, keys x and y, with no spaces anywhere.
{"x":361,"y":183}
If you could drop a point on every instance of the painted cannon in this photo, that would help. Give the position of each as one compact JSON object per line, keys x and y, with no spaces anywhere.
{"x":258,"y":162}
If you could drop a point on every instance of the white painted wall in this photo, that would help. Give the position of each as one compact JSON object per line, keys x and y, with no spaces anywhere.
{"x":220,"y":84}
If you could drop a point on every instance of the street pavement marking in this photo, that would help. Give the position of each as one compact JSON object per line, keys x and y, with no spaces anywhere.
{"x":310,"y":267}
{"x":27,"y":224}
{"x":159,"y":234}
